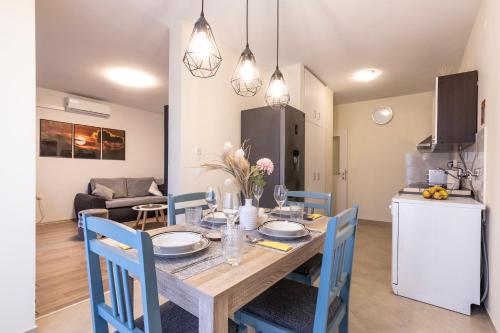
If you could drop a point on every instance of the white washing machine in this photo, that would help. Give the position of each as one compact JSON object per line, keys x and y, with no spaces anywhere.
{"x":436,"y":250}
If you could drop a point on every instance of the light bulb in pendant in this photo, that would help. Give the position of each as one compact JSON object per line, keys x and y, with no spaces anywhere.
{"x":277,"y":95}
{"x":202,"y":57}
{"x":201,"y":45}
{"x":246,"y":77}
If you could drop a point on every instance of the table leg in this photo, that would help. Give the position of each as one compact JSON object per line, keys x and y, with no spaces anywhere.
{"x":157,"y":214}
{"x":213,"y":315}
{"x":138,"y":219}
{"x":163,"y":218}
{"x":144,"y":219}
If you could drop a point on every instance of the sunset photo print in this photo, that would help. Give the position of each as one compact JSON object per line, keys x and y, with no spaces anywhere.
{"x":87,"y":142}
{"x":113,"y":144}
{"x":55,"y":138}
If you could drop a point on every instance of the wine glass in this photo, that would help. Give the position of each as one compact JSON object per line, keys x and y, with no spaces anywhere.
{"x":280,"y":195}
{"x":212,"y":197}
{"x":257,"y":193}
{"x":231,"y":207}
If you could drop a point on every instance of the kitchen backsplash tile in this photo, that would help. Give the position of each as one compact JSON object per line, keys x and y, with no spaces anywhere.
{"x":418,"y":164}
{"x":474,"y":158}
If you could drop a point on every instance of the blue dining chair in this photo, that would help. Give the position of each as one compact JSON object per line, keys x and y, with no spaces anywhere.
{"x":325,"y":206}
{"x":172,"y":200}
{"x":290,"y":306}
{"x":122,"y":267}
{"x":309,"y":271}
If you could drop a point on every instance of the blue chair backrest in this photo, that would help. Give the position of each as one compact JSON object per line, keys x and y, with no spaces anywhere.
{"x":326,"y":197}
{"x":335,"y":278}
{"x":172,"y":200}
{"x":122,"y":267}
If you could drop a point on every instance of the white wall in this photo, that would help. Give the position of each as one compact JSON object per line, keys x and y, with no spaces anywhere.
{"x":204,"y":113}
{"x":17,"y":167}
{"x":60,"y":179}
{"x":482,"y":53}
{"x":376,"y":154}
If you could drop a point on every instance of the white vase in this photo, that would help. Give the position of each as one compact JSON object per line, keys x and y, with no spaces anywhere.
{"x":248,"y":215}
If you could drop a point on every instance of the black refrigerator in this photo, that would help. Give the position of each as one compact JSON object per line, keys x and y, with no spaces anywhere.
{"x":278,"y":135}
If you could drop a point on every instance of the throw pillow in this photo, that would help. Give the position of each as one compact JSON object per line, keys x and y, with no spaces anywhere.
{"x":154,"y":190}
{"x":103,"y":192}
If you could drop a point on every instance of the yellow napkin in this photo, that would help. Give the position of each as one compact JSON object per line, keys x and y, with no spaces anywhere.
{"x":275,"y":245}
{"x":314,"y":216}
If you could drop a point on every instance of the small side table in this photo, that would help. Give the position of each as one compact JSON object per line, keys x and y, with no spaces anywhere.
{"x":98,"y":212}
{"x":143,"y":213}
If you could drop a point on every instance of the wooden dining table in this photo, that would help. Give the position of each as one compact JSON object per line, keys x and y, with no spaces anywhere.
{"x":216,"y":293}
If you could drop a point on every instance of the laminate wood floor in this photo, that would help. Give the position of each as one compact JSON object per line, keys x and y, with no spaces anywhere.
{"x":374,"y":308}
{"x":61,"y":275}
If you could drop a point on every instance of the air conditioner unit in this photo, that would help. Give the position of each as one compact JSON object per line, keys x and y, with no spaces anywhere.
{"x":87,"y":107}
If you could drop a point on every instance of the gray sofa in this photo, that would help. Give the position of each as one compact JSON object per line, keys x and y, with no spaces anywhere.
{"x":128,"y":192}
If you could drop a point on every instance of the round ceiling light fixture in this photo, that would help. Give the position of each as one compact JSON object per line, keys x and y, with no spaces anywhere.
{"x":366,"y":75}
{"x":130,"y":77}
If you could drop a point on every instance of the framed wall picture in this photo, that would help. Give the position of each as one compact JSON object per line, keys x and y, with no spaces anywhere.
{"x":87,"y":142}
{"x":113,"y":144}
{"x":55,"y":138}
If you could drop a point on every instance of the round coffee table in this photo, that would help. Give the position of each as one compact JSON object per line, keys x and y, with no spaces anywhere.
{"x":143,"y":211}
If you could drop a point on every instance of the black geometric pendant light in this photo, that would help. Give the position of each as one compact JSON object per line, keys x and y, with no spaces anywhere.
{"x":277,"y":95}
{"x":202,"y":57}
{"x":246,"y":78}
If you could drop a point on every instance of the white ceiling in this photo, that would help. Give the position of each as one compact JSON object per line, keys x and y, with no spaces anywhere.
{"x":411,"y":41}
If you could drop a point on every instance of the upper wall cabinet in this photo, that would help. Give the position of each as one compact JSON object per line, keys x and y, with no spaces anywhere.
{"x":314,"y":99}
{"x":456,"y":108}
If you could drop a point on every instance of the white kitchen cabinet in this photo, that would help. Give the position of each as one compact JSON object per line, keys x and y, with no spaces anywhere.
{"x":317,"y":105}
{"x":314,"y":96}
{"x":436,"y":250}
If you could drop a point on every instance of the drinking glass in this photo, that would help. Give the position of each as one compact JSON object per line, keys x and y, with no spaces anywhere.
{"x":296,"y":211}
{"x":231,"y":207}
{"x":212,"y":197}
{"x":257,"y":193}
{"x":193,"y":216}
{"x":232,"y":237}
{"x":280,"y":195}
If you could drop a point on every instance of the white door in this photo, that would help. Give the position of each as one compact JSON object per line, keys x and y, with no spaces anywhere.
{"x":340,"y":174}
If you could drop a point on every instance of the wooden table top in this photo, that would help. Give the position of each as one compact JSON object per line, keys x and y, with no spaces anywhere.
{"x":258,"y":270}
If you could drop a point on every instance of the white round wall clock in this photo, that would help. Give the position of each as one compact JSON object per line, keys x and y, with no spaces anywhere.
{"x":382,"y":115}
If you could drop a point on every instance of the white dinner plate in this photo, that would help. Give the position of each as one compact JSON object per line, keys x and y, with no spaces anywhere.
{"x":202,"y":245}
{"x":286,"y":228}
{"x":176,"y":241}
{"x":278,"y":234}
{"x":218,"y":218}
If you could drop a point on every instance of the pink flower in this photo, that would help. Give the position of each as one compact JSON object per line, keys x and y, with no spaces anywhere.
{"x":265,"y":165}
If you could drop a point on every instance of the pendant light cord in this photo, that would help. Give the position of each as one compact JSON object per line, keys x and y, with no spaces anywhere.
{"x":277,"y":31}
{"x":247,"y":23}
{"x":202,"y":5}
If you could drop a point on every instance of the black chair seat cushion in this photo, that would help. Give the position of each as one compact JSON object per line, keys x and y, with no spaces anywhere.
{"x":175,"y":319}
{"x":289,"y":304}
{"x":311,"y":265}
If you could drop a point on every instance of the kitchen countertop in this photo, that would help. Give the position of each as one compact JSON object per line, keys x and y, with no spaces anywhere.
{"x":464,"y":202}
